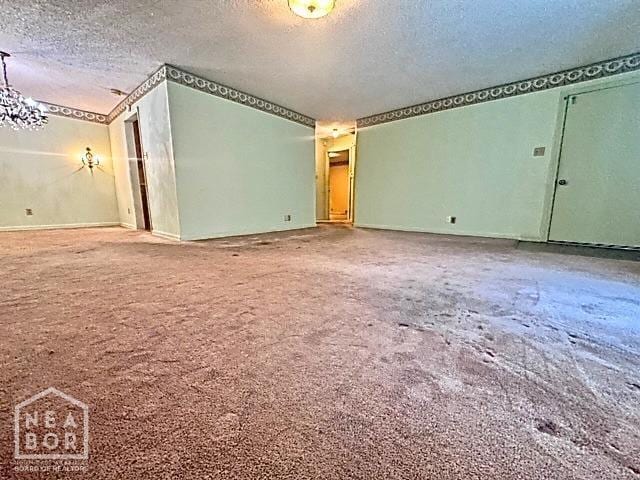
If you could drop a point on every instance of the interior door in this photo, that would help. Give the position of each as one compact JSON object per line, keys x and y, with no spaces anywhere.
{"x":339,"y":191}
{"x":597,"y":196}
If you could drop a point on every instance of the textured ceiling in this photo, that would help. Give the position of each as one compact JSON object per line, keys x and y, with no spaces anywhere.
{"x":367,"y":57}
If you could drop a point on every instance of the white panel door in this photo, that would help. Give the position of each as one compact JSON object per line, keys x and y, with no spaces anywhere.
{"x":597,"y":197}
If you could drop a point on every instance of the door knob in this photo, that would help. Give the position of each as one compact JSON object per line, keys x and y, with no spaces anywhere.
{"x":562,"y":182}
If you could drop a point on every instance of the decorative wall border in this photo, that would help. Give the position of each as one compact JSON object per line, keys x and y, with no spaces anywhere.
{"x":602,"y":69}
{"x":176,"y":75}
{"x":75,"y":113}
{"x":155,"y":79}
{"x":207,"y":86}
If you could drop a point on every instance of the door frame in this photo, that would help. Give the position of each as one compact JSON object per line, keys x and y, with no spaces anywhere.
{"x":133,"y":169}
{"x":350,"y":175}
{"x":556,"y":151}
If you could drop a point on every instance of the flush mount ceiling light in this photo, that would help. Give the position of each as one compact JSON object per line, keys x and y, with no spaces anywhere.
{"x":311,"y":8}
{"x":15,"y":110}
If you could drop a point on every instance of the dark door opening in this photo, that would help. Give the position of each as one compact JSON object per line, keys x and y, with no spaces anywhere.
{"x":142,"y":178}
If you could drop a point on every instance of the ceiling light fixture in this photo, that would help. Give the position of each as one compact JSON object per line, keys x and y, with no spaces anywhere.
{"x":311,"y":8}
{"x":15,"y":110}
{"x":335,"y":133}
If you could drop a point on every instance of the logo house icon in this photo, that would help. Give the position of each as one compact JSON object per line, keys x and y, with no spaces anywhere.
{"x":51,"y":425}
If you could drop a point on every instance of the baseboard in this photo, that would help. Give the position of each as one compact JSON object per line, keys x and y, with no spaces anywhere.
{"x":240,"y":233}
{"x":59,"y":227}
{"x":128,"y":225}
{"x":168,"y":236}
{"x":581,"y":250}
{"x":437,"y":231}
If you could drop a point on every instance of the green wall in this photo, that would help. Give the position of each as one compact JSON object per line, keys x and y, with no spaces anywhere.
{"x":155,"y":132}
{"x":475,"y":163}
{"x":42,"y":170}
{"x":238,"y":170}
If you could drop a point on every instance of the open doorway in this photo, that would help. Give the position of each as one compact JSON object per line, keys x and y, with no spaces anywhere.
{"x":138,"y":174}
{"x":335,"y":175}
{"x":142,"y":177}
{"x":339,"y":188}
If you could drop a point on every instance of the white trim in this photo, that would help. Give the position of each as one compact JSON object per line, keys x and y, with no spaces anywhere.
{"x":438,"y":231}
{"x":168,"y":236}
{"x":240,"y":233}
{"x":128,"y":225}
{"x":19,"y":228}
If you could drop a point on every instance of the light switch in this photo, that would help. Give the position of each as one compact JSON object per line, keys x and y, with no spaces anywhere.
{"x":539,"y":151}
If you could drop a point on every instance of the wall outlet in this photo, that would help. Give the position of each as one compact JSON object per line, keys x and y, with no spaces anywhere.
{"x":287,"y":218}
{"x":451,"y":220}
{"x":129,"y":211}
{"x":28,"y":212}
{"x":539,"y":151}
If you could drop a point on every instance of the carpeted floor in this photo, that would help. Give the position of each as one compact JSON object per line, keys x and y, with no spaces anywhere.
{"x":330,"y":353}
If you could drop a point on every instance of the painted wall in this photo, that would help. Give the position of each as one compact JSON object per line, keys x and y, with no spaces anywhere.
{"x":321,"y":179}
{"x":41,"y":170}
{"x":475,"y":163}
{"x":238,"y":170}
{"x":155,"y":129}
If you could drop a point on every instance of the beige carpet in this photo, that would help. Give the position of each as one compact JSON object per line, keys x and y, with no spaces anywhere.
{"x":330,"y":353}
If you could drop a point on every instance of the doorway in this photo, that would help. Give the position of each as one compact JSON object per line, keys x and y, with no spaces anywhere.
{"x":339,"y":186}
{"x":597,"y":190}
{"x":336,"y":158}
{"x":142,"y":177}
{"x":138,"y":174}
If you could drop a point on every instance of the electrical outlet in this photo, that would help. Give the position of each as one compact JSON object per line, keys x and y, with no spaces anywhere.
{"x":28,"y":212}
{"x":451,"y":220}
{"x":129,"y":211}
{"x":287,"y":218}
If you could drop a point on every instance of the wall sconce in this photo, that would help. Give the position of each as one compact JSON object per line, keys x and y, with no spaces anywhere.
{"x":90,"y":160}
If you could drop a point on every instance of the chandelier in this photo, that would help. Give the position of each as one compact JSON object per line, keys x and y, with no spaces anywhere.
{"x":15,"y":110}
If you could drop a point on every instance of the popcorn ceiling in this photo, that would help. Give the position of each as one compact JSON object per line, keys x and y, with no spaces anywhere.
{"x":367,"y":57}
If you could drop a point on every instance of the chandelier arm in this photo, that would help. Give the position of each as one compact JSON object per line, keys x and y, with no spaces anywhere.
{"x":16,"y":111}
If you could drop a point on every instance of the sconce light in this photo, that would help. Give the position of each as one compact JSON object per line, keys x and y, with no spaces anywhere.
{"x":90,"y":160}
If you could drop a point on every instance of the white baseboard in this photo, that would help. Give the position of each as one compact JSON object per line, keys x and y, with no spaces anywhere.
{"x":58,"y":227}
{"x":240,"y":233}
{"x":446,"y":232}
{"x":128,"y":225}
{"x":168,"y":236}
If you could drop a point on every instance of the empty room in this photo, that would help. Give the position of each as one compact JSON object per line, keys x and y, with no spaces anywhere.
{"x":320,"y":239}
